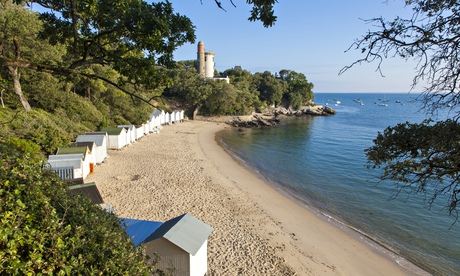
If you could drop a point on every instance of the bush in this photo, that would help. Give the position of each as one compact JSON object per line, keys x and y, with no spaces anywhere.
{"x":44,"y":230}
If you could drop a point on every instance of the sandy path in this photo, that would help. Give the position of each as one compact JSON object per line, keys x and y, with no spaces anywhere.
{"x":257,"y":230}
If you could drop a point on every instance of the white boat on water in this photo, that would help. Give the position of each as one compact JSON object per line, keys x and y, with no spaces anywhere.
{"x":359,"y":101}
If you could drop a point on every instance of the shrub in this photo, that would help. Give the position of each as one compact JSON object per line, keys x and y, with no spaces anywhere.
{"x":44,"y":230}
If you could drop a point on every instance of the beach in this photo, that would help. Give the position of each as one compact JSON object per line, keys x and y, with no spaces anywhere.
{"x":258,"y":230}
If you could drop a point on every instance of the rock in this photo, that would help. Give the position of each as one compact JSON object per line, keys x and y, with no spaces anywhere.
{"x":270,"y":118}
{"x":255,"y":121}
{"x":328,"y":110}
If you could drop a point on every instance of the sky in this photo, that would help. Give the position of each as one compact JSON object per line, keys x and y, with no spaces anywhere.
{"x":309,"y":36}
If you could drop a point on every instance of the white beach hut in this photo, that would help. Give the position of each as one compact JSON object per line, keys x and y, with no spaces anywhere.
{"x":130,"y":132}
{"x":181,"y":116}
{"x":162,"y":117}
{"x":146,"y":128}
{"x":139,"y":131}
{"x":66,"y":169}
{"x":117,"y":137}
{"x":181,"y":243}
{"x":169,"y":117}
{"x":173,"y":117}
{"x":69,"y":166}
{"x":155,"y":119}
{"x":100,"y":139}
{"x":89,"y":158}
{"x":92,"y":154}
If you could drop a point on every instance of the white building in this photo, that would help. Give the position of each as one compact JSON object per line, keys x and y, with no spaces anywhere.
{"x":130,"y":131}
{"x":168,"y":118}
{"x":139,"y":132}
{"x":155,"y":119}
{"x":162,"y":117}
{"x":181,"y":243}
{"x":92,"y":153}
{"x":101,"y":141}
{"x":89,"y":158}
{"x":69,"y":166}
{"x":147,"y":128}
{"x":117,"y":137}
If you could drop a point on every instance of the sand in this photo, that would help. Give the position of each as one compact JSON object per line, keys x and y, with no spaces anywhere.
{"x":258,"y":230}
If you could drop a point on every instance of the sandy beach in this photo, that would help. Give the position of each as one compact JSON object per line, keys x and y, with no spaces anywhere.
{"x":258,"y":230}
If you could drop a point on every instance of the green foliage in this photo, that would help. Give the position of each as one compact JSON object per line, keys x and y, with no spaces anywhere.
{"x":46,"y":231}
{"x":299,"y":89}
{"x":271,"y":88}
{"x":43,"y":129}
{"x":131,"y":36}
{"x":246,"y":92}
{"x":226,"y":99}
{"x":19,"y":32}
{"x":424,"y":157}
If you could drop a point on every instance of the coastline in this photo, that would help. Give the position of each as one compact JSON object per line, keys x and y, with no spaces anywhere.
{"x":259,"y":229}
{"x":373,"y":243}
{"x":350,"y":232}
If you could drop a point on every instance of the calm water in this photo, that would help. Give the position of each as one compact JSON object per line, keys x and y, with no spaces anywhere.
{"x":321,"y":160}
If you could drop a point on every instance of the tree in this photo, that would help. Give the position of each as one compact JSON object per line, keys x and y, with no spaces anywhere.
{"x":424,"y":156}
{"x":188,"y":87}
{"x":270,"y":88}
{"x":299,"y":88}
{"x":132,"y":36}
{"x":20,"y":42}
{"x":262,"y":10}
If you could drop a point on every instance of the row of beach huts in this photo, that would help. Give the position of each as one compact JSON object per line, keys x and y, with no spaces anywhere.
{"x":78,"y":160}
{"x":181,"y":242}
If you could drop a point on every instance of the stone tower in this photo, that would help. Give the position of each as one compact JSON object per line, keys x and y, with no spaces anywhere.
{"x":209,"y":59}
{"x":201,"y":60}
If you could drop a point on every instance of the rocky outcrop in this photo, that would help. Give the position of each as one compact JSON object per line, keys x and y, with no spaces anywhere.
{"x":271,"y":117}
{"x":255,"y":121}
{"x":318,"y":110}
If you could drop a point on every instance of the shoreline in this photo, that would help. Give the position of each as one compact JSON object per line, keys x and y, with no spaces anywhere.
{"x":373,"y":243}
{"x":258,"y":230}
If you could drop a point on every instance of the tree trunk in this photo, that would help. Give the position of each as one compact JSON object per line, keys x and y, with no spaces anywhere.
{"x":1,"y":98}
{"x":195,"y":111}
{"x":17,"y":87}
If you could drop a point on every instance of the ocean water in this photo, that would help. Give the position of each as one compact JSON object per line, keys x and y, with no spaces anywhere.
{"x":321,"y":161}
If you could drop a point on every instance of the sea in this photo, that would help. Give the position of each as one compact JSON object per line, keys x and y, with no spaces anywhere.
{"x":321,"y":162}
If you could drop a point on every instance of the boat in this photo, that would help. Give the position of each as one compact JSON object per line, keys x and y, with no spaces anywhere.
{"x":359,"y":101}
{"x":382,"y":104}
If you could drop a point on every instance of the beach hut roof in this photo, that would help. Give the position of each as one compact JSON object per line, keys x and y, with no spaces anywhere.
{"x":126,"y":126}
{"x":113,"y":130}
{"x":90,"y":145}
{"x":139,"y":230}
{"x":156,"y":112}
{"x":101,"y":132}
{"x":89,"y":190}
{"x":72,"y":150}
{"x":98,"y":139}
{"x":63,"y":163}
{"x":70,"y":156}
{"x":185,"y":231}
